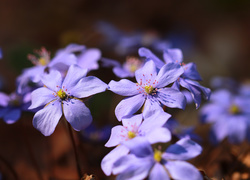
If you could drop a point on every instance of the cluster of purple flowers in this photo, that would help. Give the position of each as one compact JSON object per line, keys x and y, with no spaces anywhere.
{"x":228,"y":111}
{"x":58,"y":87}
{"x":124,"y":43}
{"x":55,"y":87}
{"x":139,"y":151}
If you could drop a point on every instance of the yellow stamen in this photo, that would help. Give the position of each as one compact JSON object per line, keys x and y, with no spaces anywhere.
{"x":234,"y":109}
{"x":61,"y":94}
{"x":157,"y":155}
{"x":131,"y":135}
{"x":133,"y":67}
{"x":149,"y":89}
{"x":42,"y":61}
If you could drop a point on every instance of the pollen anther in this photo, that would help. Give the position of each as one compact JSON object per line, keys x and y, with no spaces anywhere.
{"x":131,"y":134}
{"x":157,"y":155}
{"x":61,"y":94}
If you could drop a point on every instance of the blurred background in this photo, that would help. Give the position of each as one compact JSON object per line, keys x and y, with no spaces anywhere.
{"x":215,"y":34}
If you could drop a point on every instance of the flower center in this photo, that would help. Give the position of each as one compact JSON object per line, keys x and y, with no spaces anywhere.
{"x":131,"y":134}
{"x":42,"y":57}
{"x":132,"y":64}
{"x":147,"y":86}
{"x":133,"y":68}
{"x":15,"y":100}
{"x":62,"y":94}
{"x":182,"y":64}
{"x":42,"y":61}
{"x":149,"y":89}
{"x":157,"y":155}
{"x":234,"y":109}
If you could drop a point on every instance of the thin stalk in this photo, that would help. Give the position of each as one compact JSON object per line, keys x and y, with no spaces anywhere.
{"x":75,"y":150}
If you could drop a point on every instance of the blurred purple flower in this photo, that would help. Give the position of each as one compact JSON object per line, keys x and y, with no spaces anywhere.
{"x":149,"y":89}
{"x":127,"y":43}
{"x":87,"y":58}
{"x":187,"y":80}
{"x":127,"y":69}
{"x":11,"y":107}
{"x":63,"y":97}
{"x":31,"y":77}
{"x":230,"y":115}
{"x":225,"y":83}
{"x":144,"y":162}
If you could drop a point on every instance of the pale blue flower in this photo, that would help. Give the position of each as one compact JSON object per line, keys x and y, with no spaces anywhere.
{"x":144,"y":161}
{"x":63,"y":97}
{"x":187,"y":80}
{"x":150,"y":89}
{"x":133,"y":127}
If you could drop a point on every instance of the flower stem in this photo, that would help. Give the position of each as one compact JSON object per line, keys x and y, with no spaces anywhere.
{"x":75,"y":150}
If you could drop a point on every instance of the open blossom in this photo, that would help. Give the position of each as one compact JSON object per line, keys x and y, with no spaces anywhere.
{"x":144,"y":161}
{"x":229,"y":114}
{"x":188,"y":79}
{"x":63,"y":97}
{"x":132,"y":128}
{"x":150,"y":89}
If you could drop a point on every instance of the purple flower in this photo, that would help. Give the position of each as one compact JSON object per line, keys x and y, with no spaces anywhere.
{"x":127,"y":69}
{"x":229,"y":114}
{"x":188,"y":79}
{"x":32,"y":76}
{"x":11,"y":107}
{"x":64,"y":97}
{"x":149,"y":89}
{"x":134,"y":127}
{"x":86,"y":58}
{"x":144,"y":162}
